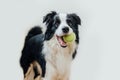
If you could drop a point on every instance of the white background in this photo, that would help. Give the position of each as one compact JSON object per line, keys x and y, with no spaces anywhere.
{"x":98,"y":56}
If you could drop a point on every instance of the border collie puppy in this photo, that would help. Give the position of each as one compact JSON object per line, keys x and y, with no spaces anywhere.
{"x":48,"y":49}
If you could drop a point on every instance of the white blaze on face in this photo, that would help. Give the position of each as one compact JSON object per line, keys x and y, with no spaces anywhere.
{"x":63,"y":23}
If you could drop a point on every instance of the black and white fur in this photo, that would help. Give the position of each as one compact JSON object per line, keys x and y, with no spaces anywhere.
{"x":44,"y":48}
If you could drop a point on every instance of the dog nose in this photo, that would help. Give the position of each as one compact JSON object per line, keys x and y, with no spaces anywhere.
{"x":65,"y":29}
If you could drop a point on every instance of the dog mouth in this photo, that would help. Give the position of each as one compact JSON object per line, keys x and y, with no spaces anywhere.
{"x":61,"y":41}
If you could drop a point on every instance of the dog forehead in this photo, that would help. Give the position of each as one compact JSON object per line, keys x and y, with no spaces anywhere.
{"x":62,"y":16}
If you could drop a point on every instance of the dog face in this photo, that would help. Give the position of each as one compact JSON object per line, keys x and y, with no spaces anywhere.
{"x":61,"y":24}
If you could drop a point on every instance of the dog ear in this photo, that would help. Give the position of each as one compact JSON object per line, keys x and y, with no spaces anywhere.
{"x":76,"y":18}
{"x":49,"y":17}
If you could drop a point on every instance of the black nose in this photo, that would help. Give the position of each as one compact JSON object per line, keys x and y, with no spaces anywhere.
{"x":65,"y":29}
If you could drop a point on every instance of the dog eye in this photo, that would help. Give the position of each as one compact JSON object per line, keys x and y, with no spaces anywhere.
{"x":57,"y":23}
{"x":69,"y":22}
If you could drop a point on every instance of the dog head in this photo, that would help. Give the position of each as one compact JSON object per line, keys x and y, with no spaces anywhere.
{"x":60,"y":24}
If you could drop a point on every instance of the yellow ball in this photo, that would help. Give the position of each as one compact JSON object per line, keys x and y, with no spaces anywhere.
{"x":69,"y":38}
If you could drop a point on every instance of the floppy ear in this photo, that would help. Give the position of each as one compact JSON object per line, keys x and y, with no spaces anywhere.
{"x":49,"y":17}
{"x":76,"y":18}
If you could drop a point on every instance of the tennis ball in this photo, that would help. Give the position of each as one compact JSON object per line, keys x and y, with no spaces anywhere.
{"x":69,"y":38}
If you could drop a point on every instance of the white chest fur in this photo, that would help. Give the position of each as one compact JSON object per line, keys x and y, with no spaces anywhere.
{"x":58,"y":59}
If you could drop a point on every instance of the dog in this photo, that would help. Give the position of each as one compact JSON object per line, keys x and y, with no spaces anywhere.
{"x":48,"y":48}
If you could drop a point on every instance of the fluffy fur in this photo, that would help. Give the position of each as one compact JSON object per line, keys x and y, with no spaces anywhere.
{"x":49,"y":50}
